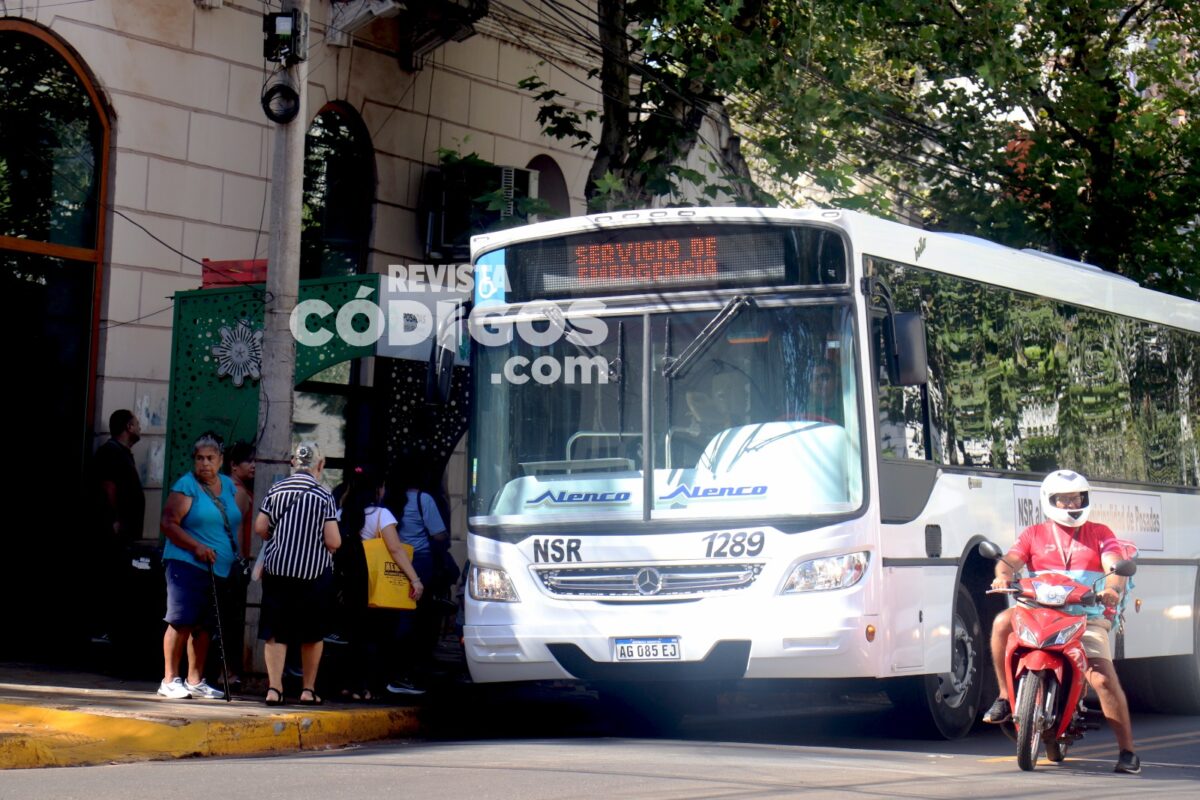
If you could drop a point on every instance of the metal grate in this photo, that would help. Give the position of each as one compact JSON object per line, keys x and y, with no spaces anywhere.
{"x":638,"y":581}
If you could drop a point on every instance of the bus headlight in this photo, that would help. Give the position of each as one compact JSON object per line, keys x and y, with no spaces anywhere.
{"x":492,"y":584}
{"x":833,"y":572}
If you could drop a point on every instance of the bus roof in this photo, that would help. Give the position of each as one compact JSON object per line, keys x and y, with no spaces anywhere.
{"x":978,"y":259}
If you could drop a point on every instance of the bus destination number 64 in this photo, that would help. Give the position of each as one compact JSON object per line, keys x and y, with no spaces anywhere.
{"x":734,"y":545}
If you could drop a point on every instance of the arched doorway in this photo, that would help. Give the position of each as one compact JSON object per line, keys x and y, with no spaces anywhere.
{"x":54,"y":144}
{"x":339,"y":194}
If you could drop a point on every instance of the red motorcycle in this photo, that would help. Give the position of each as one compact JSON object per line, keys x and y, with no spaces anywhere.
{"x":1047,"y":666}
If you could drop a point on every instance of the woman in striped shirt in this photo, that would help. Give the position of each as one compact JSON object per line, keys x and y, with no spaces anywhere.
{"x":298,"y":521}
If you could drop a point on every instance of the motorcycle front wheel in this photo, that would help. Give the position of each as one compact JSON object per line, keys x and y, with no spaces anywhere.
{"x":1030,"y":697}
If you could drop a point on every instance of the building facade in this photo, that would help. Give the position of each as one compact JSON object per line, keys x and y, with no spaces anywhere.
{"x":136,"y":147}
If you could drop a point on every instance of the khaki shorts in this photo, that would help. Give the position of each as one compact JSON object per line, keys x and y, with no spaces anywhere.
{"x":1095,"y":639}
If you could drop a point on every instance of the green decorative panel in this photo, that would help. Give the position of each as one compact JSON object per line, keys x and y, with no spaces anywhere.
{"x":216,"y":357}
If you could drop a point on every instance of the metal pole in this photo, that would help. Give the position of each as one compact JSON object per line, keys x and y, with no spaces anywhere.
{"x":283,"y":282}
{"x":212,"y":576}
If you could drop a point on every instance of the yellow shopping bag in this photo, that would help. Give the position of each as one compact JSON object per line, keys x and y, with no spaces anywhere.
{"x":387,"y":585}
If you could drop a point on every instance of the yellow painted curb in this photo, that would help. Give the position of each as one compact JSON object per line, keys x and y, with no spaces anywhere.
{"x":42,"y":737}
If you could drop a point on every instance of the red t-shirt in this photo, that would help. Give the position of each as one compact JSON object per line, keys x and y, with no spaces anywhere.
{"x":1082,"y":547}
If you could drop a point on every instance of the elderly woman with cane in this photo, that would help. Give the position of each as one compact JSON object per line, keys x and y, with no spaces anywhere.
{"x":298,"y":520}
{"x":200,"y":521}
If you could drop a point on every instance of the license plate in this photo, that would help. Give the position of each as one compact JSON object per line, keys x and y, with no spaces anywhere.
{"x":662,"y":648}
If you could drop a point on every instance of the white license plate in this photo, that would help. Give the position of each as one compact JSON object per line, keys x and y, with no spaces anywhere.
{"x":661,"y":648}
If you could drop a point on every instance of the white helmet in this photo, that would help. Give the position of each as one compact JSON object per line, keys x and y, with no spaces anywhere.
{"x":1065,"y":482}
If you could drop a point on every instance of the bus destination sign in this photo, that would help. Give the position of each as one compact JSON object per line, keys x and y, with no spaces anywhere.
{"x":642,"y":259}
{"x":650,"y":262}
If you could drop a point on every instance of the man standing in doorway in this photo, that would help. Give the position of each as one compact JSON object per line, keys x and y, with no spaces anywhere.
{"x":120,"y":515}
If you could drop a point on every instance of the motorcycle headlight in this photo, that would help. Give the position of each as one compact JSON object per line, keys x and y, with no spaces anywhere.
{"x":489,"y":583}
{"x":1063,"y":636}
{"x":832,"y":572}
{"x":1027,"y":636}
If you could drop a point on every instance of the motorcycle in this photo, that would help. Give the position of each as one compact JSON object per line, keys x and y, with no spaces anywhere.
{"x":1046,"y":662}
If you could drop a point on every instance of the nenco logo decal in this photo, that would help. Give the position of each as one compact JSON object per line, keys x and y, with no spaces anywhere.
{"x":706,"y":492}
{"x":578,"y":498}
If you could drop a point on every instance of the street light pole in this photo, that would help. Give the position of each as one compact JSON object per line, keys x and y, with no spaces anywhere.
{"x":283,"y":282}
{"x":274,"y":444}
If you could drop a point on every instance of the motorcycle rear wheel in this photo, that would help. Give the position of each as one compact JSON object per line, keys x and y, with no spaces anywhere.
{"x":1030,"y":697}
{"x":1056,"y":751}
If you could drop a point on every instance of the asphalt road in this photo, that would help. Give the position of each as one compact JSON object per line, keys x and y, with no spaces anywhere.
{"x":552,"y":746}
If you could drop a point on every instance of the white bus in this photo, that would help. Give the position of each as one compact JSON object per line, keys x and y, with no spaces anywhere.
{"x":721,"y":444}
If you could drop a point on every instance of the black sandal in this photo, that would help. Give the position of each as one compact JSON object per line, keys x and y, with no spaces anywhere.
{"x":278,"y":700}
{"x":313,"y":699}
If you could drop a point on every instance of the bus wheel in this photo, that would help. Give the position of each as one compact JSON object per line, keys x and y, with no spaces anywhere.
{"x":946,"y":704}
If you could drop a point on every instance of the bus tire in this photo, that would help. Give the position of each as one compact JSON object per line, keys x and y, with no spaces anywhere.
{"x":947,"y":705}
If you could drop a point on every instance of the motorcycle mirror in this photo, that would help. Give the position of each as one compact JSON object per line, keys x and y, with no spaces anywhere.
{"x":989,"y":549}
{"x":1125,"y":568}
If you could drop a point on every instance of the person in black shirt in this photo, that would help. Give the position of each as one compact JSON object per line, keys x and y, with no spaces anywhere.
{"x":120,"y":513}
{"x":123,"y":505}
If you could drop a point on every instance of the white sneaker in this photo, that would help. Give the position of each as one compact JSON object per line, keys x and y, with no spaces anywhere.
{"x":174,"y":689}
{"x":204,"y":691}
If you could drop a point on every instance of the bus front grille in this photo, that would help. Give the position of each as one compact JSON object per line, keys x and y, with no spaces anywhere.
{"x":638,"y":582}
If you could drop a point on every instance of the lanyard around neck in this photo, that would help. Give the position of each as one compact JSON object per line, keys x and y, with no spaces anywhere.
{"x":1067,"y":553}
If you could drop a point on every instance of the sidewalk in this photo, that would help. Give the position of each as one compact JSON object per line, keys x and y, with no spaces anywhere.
{"x":50,"y":717}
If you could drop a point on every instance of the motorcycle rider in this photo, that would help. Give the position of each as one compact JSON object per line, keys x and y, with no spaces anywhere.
{"x":1066,"y":542}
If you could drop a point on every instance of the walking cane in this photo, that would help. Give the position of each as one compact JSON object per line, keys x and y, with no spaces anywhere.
{"x":220,"y":634}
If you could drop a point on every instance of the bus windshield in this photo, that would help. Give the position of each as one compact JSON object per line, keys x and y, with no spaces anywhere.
{"x":753,"y":413}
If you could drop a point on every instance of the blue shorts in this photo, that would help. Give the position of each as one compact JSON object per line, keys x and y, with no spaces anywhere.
{"x":189,"y":595}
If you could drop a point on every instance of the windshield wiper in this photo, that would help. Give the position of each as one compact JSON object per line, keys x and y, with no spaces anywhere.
{"x":565,"y":327}
{"x":678,"y":367}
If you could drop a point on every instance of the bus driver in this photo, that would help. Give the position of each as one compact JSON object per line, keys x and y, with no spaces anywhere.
{"x":1067,"y":542}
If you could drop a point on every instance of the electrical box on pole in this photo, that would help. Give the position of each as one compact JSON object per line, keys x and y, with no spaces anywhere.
{"x":285,"y":37}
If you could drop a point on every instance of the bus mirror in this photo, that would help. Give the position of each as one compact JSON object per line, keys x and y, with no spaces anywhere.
{"x":443,"y":349}
{"x":911,"y":362}
{"x":439,"y":375}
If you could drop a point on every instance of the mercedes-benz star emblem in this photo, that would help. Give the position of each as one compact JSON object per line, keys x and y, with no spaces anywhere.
{"x":648,"y":581}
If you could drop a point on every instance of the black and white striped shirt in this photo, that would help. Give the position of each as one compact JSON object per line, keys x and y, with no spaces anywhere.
{"x":298,"y":508}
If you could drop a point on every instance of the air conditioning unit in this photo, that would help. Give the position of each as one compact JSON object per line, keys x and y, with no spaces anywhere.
{"x":426,"y":25}
{"x":461,"y":201}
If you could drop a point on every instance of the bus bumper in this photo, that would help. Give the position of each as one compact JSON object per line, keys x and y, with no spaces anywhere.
{"x":822,"y":635}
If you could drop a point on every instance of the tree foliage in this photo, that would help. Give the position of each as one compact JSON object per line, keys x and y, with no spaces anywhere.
{"x":665,"y":66}
{"x":1068,"y":126}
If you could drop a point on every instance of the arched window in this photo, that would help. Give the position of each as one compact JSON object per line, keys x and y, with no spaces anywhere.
{"x":552,"y":186}
{"x":339,"y":191}
{"x":54,"y":131}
